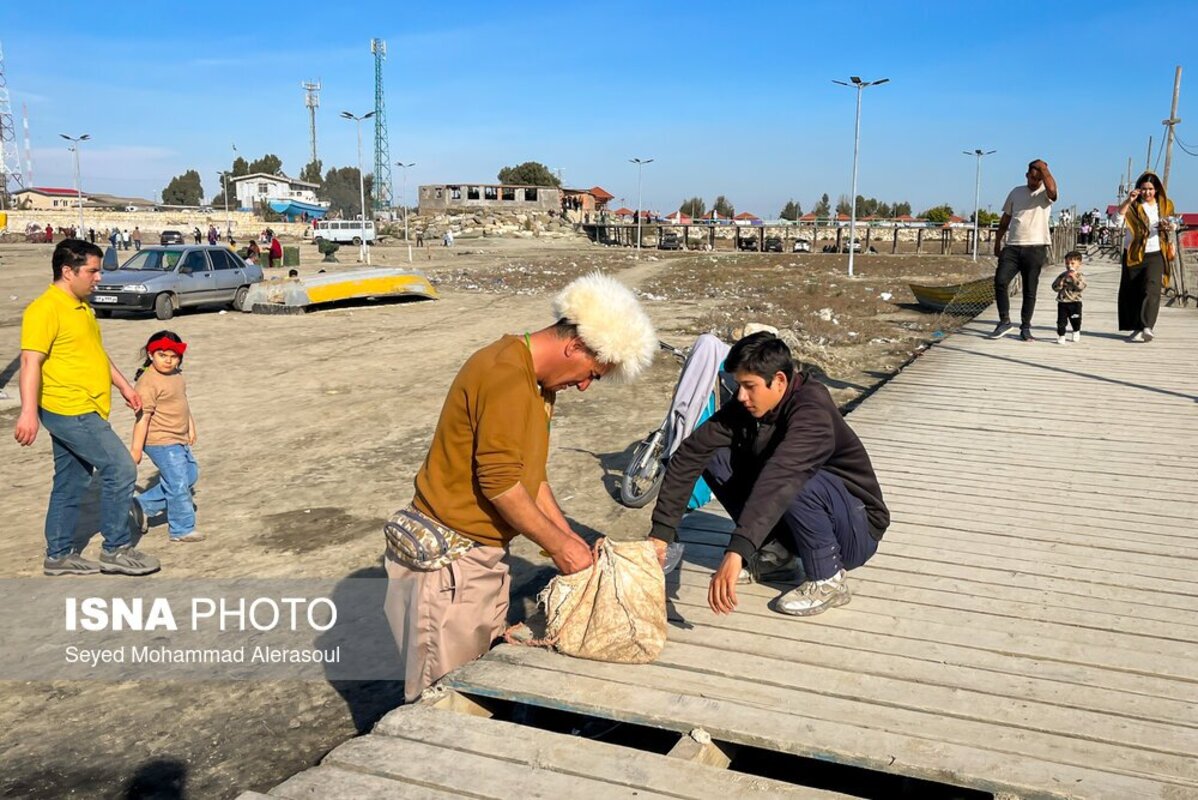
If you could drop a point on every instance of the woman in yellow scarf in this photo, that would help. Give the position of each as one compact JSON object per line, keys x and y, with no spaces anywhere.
{"x":1147,"y":253}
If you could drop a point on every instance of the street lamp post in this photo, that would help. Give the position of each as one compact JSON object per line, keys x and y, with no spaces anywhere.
{"x":224,"y":183}
{"x":403,"y":199}
{"x":639,"y":164}
{"x":860,"y":86}
{"x":977,"y":193}
{"x":364,"y":249}
{"x":74,"y":148}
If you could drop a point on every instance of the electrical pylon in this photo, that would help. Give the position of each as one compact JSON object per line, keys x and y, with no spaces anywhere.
{"x":382,"y":150}
{"x":10,"y":157}
{"x":312,"y":101}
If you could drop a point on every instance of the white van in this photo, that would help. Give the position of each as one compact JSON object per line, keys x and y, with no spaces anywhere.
{"x":344,"y":231}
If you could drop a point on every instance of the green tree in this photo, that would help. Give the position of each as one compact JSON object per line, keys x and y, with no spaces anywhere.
{"x":240,"y":167}
{"x":311,"y":172}
{"x":530,"y":173}
{"x":902,"y":209}
{"x":885,"y":211}
{"x":723,"y":207}
{"x":694,"y":207}
{"x":823,"y":209}
{"x":986,"y":217}
{"x":940,"y":213}
{"x":183,"y":190}
{"x":791,"y":211}
{"x":340,"y":188}
{"x":269,"y":163}
{"x":842,"y":205}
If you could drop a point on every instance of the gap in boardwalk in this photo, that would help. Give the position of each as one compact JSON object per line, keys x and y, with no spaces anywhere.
{"x":845,"y":779}
{"x":798,"y":770}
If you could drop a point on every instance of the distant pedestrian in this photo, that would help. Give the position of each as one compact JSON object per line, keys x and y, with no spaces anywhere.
{"x":197,"y":235}
{"x":125,"y":240}
{"x":211,"y":234}
{"x":66,"y":385}
{"x":253,"y":253}
{"x":1024,"y":224}
{"x":1069,"y":286}
{"x":114,"y":238}
{"x":165,"y":431}
{"x":136,"y":238}
{"x":49,"y":233}
{"x":420,"y":238}
{"x":91,"y":235}
{"x":276,"y":252}
{"x":1147,"y":253}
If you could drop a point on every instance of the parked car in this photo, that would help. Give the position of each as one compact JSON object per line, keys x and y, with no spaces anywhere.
{"x":669,"y":241}
{"x":801,"y":246}
{"x":773,"y":244}
{"x":165,"y":279}
{"x":171,"y":237}
{"x":746,"y":243}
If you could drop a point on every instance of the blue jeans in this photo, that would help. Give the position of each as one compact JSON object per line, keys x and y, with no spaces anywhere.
{"x":84,"y":444}
{"x":827,"y":527}
{"x":177,"y":473}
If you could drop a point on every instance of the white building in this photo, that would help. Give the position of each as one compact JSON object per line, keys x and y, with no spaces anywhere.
{"x":259,"y":186}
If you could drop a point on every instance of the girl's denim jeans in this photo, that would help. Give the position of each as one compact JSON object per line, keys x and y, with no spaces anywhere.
{"x":177,"y":474}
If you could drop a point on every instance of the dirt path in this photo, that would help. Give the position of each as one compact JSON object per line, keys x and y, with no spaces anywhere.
{"x":311,"y":429}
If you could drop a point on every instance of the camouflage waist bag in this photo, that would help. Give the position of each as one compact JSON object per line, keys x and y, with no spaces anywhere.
{"x":419,"y":542}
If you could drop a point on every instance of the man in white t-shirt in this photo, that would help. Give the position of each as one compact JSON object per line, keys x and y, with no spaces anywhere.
{"x":1024,"y":226}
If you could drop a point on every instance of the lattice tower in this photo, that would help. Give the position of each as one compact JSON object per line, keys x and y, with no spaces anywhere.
{"x":10,"y":158}
{"x":312,"y":101}
{"x":382,"y":150}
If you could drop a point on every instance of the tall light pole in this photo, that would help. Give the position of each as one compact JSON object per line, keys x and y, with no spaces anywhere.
{"x":224,"y":183}
{"x":403,"y":199}
{"x":639,"y":164}
{"x":860,"y":86}
{"x":74,"y":148}
{"x":364,"y":249}
{"x":977,"y":193}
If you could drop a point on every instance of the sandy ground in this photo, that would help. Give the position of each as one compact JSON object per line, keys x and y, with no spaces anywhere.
{"x":311,"y":429}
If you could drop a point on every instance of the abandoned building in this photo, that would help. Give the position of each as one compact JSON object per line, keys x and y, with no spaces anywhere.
{"x":436,"y":198}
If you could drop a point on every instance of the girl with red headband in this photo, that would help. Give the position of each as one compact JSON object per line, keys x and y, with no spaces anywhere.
{"x":165,"y":431}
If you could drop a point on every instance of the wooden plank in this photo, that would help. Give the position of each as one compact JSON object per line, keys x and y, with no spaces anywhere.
{"x":702,"y":750}
{"x":752,"y":722}
{"x":467,"y":774}
{"x":333,"y":783}
{"x":573,"y":755}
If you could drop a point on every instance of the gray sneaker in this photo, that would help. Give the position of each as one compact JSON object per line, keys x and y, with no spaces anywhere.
{"x":815,"y":597}
{"x":127,"y":561}
{"x":70,"y":564}
{"x":773,"y":562}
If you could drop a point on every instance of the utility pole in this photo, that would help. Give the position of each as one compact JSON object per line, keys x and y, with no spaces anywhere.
{"x":75,"y":142}
{"x":639,"y":163}
{"x":403,"y":201}
{"x":1169,"y":123}
{"x":860,"y":86}
{"x":1148,"y":163}
{"x":977,"y":193}
{"x":10,"y":159}
{"x":363,"y":248}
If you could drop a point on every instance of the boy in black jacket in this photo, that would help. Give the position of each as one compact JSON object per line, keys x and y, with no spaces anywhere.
{"x":782,"y":461}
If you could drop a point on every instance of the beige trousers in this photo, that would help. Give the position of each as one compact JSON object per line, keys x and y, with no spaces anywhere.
{"x":448,"y":617}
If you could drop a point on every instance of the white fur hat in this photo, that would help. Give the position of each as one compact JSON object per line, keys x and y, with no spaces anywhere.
{"x":611,"y":322}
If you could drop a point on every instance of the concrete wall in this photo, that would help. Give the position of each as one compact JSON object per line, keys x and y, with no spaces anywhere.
{"x":435,"y":198}
{"x":153,"y":223}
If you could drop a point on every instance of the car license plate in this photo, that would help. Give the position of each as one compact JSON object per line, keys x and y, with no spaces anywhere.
{"x":103,"y":298}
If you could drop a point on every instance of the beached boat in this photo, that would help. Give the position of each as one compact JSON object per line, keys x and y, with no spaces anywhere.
{"x":298,"y":294}
{"x":974,"y":294}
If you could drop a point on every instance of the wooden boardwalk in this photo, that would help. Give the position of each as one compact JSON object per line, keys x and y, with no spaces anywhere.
{"x":1029,"y":625}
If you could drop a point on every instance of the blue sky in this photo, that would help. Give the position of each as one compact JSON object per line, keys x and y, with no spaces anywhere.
{"x":731,"y":99}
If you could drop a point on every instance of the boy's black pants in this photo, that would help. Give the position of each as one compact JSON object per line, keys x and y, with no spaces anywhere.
{"x":1069,"y":312}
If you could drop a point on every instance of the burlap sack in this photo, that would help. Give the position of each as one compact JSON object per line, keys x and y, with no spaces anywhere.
{"x":612,"y":611}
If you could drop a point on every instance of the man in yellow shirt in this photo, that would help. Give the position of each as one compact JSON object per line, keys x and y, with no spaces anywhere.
{"x":484,"y":479}
{"x":66,"y":385}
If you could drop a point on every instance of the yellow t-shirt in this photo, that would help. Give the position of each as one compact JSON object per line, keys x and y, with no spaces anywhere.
{"x":75,"y":375}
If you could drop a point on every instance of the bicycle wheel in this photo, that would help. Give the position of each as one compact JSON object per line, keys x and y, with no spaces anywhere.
{"x":643,"y":475}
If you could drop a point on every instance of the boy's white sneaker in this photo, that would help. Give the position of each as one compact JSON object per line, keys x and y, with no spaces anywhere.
{"x":815,"y":597}
{"x":1077,"y":336}
{"x":1136,"y":336}
{"x":1148,"y":334}
{"x":1061,"y":339}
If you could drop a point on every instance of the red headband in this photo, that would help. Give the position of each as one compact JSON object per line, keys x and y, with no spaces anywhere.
{"x":163,"y":343}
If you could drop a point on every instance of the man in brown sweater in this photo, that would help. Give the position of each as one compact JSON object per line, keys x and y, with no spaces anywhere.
{"x":484,"y":479}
